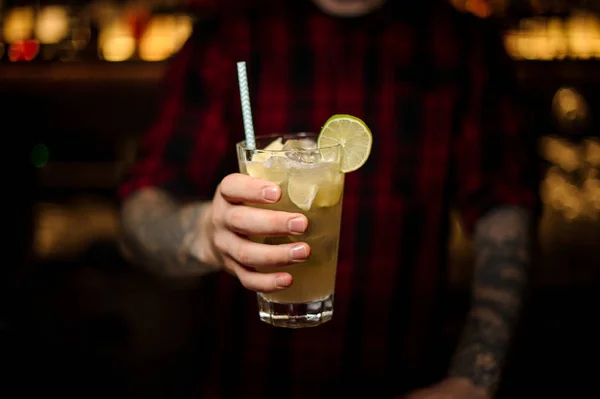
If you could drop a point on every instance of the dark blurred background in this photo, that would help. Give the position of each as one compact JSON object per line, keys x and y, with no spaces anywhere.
{"x":78,"y":86}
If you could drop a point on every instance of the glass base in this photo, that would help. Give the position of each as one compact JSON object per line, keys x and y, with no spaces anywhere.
{"x":295,"y":315}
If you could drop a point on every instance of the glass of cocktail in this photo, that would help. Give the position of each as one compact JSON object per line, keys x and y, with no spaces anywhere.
{"x":310,"y":170}
{"x":312,"y":183}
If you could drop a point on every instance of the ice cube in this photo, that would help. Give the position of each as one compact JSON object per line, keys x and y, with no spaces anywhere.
{"x":304,"y":156}
{"x":277,"y":169}
{"x":302,"y":151}
{"x":299,"y":144}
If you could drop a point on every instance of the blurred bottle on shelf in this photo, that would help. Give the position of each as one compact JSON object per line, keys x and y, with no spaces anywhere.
{"x":42,"y":33}
{"x":115,"y":31}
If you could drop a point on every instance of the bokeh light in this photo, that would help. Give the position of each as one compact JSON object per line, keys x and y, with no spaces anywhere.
{"x":116,"y":42}
{"x":18,"y":24}
{"x":39,"y":155}
{"x":52,"y":24}
{"x":555,"y":38}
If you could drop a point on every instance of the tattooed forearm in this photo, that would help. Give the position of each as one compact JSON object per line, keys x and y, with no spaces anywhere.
{"x":502,"y":259}
{"x":160,"y":234}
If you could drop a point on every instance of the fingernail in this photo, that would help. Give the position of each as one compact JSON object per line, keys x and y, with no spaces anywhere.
{"x":297,"y":225}
{"x":271,"y":193}
{"x":299,"y":252}
{"x":282,"y":282}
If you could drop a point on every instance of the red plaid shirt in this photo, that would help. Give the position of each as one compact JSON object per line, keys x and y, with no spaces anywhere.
{"x":434,"y":87}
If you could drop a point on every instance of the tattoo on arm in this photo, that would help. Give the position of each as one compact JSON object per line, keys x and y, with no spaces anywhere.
{"x":159,"y":233}
{"x":502,"y":260}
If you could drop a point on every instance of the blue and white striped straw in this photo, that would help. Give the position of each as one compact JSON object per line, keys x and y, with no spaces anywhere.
{"x":246,"y":109}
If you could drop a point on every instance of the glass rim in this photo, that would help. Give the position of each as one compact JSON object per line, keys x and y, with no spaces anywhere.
{"x":242,"y":144}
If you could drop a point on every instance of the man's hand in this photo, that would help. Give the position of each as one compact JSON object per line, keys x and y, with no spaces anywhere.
{"x":450,"y":388}
{"x":198,"y":238}
{"x":223,"y":239}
